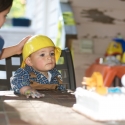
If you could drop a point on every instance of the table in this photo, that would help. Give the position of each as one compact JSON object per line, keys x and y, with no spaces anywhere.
{"x":54,"y":109}
{"x":109,"y":72}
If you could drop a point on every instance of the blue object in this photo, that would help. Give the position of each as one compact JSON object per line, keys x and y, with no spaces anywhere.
{"x":114,"y":90}
{"x":21,"y":22}
{"x":122,"y":41}
{"x":1,"y":43}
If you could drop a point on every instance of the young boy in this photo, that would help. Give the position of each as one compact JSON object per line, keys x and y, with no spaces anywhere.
{"x":38,"y":68}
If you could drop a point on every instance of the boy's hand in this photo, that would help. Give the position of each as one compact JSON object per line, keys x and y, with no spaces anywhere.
{"x":33,"y":94}
{"x":28,"y":91}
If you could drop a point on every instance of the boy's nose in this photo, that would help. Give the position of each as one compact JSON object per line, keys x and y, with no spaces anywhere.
{"x":49,"y":57}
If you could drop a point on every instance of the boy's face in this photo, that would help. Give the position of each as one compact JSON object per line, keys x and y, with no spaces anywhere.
{"x":43,"y":59}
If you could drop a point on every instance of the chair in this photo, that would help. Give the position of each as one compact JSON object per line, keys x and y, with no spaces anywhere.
{"x":64,"y":65}
{"x":7,"y":68}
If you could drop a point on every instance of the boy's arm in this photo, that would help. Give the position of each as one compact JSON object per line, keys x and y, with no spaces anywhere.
{"x":19,"y":80}
{"x":20,"y":84}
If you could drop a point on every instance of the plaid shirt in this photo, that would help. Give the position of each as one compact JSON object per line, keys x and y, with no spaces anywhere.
{"x":22,"y":78}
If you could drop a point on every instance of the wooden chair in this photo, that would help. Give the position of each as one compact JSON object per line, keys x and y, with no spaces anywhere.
{"x":64,"y":65}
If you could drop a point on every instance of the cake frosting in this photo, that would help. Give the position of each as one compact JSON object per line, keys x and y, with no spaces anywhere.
{"x":100,"y":107}
{"x":108,"y":105}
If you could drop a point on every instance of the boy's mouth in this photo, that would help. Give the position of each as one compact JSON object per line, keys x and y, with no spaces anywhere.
{"x":49,"y":63}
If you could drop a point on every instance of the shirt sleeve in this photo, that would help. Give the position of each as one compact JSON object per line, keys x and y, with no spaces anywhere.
{"x":1,"y":43}
{"x":19,"y":80}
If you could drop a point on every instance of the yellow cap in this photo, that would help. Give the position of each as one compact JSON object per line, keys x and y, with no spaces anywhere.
{"x":38,"y":42}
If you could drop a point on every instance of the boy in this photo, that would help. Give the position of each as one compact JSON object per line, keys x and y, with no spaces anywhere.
{"x":38,"y":68}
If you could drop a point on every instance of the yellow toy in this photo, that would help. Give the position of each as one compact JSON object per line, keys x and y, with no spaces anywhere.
{"x":95,"y":81}
{"x":114,"y":48}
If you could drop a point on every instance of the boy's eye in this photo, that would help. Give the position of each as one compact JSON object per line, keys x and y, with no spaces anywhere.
{"x":42,"y":55}
{"x":52,"y":54}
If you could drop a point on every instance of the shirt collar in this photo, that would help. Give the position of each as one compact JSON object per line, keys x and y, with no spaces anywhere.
{"x":54,"y":72}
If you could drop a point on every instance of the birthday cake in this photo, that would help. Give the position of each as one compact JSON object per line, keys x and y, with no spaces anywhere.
{"x":98,"y":102}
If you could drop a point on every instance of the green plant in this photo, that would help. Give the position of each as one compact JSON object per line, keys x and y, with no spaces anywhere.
{"x":18,"y":9}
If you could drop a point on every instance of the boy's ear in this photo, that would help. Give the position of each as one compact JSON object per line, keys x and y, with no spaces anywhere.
{"x":28,"y":61}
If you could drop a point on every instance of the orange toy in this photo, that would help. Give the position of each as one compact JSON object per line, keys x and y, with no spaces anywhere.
{"x":95,"y":81}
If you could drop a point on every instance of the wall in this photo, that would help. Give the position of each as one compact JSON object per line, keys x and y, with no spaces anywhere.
{"x":98,"y":21}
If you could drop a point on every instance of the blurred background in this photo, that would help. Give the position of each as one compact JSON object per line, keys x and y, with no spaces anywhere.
{"x":87,"y":27}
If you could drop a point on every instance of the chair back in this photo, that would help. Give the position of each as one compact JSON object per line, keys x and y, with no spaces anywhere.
{"x":64,"y":65}
{"x":7,"y":68}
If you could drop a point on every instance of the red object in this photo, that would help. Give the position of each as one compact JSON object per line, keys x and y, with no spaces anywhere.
{"x":109,"y":72}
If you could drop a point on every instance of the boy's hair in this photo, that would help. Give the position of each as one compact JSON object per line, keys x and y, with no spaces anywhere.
{"x":5,"y":4}
{"x":36,"y":43}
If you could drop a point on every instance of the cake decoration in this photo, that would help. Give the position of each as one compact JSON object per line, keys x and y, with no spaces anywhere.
{"x":95,"y":81}
{"x":98,"y":102}
{"x":114,"y":90}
